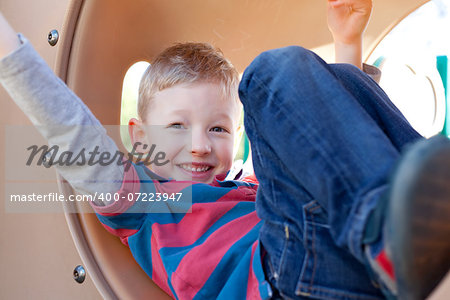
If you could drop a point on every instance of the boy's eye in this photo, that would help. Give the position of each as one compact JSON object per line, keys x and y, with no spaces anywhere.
{"x":218,"y":129}
{"x":176,"y":126}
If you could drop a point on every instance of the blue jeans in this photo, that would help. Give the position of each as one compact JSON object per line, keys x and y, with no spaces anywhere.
{"x":324,"y":140}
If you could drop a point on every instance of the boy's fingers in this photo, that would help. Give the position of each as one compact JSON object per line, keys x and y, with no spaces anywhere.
{"x":356,"y":5}
{"x":335,"y":3}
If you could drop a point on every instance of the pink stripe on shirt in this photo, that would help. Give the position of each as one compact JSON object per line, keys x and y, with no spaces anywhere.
{"x":190,"y":276}
{"x":159,"y":274}
{"x":252,"y":285}
{"x":131,"y":184}
{"x":192,"y":226}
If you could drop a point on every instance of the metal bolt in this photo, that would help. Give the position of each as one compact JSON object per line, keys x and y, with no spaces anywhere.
{"x":53,"y":37}
{"x":79,"y":274}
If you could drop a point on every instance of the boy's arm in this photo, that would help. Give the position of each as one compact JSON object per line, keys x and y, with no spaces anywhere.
{"x":8,"y":38}
{"x":347,"y":21}
{"x":60,"y":116}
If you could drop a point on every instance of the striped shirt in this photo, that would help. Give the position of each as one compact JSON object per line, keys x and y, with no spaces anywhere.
{"x":205,"y":250}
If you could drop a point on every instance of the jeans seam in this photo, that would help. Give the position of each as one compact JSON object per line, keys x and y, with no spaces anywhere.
{"x":256,"y":148}
{"x":257,"y":136}
{"x":313,"y":249}
{"x":283,"y":256}
{"x":308,"y":208}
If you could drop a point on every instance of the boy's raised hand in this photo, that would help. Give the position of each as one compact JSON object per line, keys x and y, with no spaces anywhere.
{"x":347,"y":20}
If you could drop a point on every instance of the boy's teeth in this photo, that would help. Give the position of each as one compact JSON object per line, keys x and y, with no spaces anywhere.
{"x":193,"y":169}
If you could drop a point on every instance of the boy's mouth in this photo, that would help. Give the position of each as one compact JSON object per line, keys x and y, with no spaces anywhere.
{"x":200,"y":172}
{"x":195,"y":167}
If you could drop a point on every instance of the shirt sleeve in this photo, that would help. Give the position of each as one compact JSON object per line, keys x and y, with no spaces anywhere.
{"x":61,"y":117}
{"x":373,"y":72}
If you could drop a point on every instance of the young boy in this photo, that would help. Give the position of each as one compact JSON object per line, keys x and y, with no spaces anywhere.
{"x":322,"y":163}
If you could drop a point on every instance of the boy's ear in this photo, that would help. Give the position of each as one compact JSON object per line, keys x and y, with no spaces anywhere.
{"x":137,"y":134}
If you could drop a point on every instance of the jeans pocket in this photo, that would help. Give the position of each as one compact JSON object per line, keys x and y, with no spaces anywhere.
{"x":280,"y":263}
{"x":329,"y":271}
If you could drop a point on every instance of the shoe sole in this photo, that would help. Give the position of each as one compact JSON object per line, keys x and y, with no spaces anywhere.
{"x":419,"y":219}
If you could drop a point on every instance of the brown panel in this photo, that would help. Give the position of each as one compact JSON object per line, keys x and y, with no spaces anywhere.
{"x":37,"y":253}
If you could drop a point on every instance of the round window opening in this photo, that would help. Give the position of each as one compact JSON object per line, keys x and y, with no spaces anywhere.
{"x":413,"y":58}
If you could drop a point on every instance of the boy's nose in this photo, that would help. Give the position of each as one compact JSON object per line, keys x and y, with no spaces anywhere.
{"x":201,"y":144}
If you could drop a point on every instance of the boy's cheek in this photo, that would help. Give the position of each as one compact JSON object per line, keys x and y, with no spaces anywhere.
{"x":227,"y":157}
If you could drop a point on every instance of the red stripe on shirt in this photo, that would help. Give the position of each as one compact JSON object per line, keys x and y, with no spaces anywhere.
{"x":252,"y":285}
{"x":385,"y":263}
{"x":159,"y":274}
{"x":191,"y":275}
{"x":192,"y":226}
{"x":131,"y":184}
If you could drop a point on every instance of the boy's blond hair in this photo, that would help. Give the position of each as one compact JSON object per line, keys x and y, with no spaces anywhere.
{"x":187,"y":63}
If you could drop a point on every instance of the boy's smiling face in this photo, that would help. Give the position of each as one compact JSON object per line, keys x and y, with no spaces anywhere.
{"x":196,"y":130}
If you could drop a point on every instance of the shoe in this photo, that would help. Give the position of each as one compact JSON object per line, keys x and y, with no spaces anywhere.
{"x":412,"y":254}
